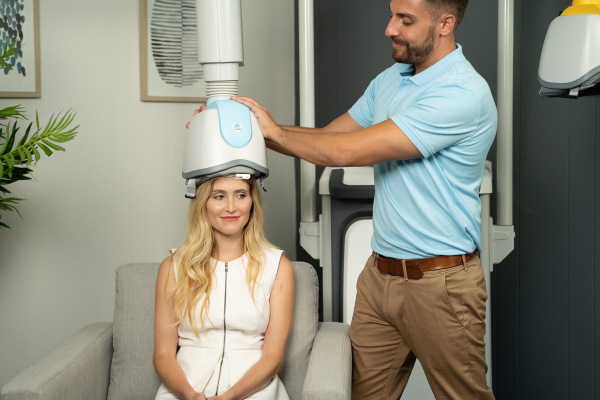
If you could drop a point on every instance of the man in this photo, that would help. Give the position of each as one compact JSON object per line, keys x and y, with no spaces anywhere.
{"x":426,"y":125}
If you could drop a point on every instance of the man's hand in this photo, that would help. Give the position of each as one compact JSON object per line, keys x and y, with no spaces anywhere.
{"x":267,"y":125}
{"x":202,"y":108}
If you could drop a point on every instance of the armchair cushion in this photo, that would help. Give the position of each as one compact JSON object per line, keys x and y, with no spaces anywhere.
{"x":304,"y":329}
{"x":132,"y":374}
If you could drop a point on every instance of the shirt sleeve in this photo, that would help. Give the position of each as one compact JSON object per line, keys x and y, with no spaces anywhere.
{"x":440,"y":118}
{"x":362,"y":110}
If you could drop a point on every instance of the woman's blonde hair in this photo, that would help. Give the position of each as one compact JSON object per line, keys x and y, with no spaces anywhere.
{"x":192,"y":260}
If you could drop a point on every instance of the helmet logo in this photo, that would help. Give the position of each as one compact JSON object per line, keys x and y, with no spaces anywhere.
{"x":237,"y":127}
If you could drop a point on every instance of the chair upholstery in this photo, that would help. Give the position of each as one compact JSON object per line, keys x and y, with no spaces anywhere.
{"x":114,"y":361}
{"x":132,"y":374}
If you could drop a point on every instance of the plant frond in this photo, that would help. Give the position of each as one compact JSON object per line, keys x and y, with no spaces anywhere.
{"x":9,"y":204}
{"x":14,"y":163}
{"x":45,"y":138}
{"x":15,"y":112}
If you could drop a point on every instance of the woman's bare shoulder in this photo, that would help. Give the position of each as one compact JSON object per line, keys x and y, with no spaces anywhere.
{"x":166,"y":267}
{"x":166,"y":264}
{"x":285,"y":270}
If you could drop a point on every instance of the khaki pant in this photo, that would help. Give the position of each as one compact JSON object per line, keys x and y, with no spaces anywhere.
{"x":439,"y":319}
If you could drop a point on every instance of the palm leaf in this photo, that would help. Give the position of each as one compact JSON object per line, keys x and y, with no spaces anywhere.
{"x":14,"y":163}
{"x":46,"y":138}
{"x":15,"y":112}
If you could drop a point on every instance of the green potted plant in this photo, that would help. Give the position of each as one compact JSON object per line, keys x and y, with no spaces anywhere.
{"x":17,"y":157}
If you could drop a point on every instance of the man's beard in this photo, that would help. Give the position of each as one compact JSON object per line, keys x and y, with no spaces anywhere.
{"x":414,"y":53}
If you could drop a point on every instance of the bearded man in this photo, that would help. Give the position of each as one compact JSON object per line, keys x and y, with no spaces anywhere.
{"x":426,"y":125}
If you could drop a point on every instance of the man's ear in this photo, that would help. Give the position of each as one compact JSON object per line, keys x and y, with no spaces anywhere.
{"x":447,"y":22}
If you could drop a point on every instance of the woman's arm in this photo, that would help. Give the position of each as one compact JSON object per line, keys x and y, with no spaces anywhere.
{"x":166,"y":337}
{"x":280,"y":321}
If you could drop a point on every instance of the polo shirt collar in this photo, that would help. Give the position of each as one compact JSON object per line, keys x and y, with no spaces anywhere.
{"x":405,"y":69}
{"x":437,"y":69}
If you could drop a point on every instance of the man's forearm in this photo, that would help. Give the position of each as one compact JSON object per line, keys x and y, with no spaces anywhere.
{"x":280,"y":149}
{"x":308,"y":145}
{"x":377,"y":143}
{"x":302,"y":129}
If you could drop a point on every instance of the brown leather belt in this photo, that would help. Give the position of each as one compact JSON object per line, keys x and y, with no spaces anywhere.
{"x":415,"y":268}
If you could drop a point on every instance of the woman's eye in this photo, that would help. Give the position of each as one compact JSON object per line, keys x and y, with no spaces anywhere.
{"x":219,"y":197}
{"x":242,"y":196}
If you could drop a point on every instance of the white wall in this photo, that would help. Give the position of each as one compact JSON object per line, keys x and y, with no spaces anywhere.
{"x":116,"y":195}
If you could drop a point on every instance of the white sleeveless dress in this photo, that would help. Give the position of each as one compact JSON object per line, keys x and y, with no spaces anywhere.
{"x":233,"y":339}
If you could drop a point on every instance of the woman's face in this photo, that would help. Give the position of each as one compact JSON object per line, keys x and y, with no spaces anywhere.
{"x":229,"y":205}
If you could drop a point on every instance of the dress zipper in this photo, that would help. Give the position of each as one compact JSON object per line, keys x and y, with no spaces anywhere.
{"x":224,"y":329}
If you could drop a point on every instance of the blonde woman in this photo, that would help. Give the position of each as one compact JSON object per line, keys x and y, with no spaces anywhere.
{"x":225,"y":296}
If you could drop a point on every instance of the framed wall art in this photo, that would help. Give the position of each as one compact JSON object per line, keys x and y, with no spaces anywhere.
{"x":169,"y":52}
{"x":19,"y":21}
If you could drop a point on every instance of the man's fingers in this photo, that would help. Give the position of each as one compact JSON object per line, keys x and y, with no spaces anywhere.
{"x":248,"y":102}
{"x":243,"y":100}
{"x":199,"y":110}
{"x":196,"y":112}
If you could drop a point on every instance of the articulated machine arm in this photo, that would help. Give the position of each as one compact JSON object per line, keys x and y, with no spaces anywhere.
{"x":226,"y":138}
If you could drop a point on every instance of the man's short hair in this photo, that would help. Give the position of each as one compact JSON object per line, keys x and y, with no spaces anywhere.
{"x":437,"y":8}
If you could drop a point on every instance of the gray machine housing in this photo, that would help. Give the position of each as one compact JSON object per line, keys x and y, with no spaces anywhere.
{"x":570,"y":60}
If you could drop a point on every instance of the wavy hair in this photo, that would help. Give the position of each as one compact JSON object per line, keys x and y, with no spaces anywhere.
{"x":192,"y":260}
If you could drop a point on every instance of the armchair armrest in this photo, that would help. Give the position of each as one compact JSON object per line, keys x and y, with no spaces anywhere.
{"x":329,"y":375}
{"x":78,"y":368}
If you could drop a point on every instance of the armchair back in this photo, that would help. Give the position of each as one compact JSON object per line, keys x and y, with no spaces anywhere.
{"x":132,"y":374}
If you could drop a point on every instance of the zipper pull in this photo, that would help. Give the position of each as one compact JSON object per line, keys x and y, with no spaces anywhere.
{"x":226,"y":266}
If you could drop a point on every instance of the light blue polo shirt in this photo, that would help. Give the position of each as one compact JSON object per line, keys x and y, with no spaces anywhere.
{"x":430,"y":206}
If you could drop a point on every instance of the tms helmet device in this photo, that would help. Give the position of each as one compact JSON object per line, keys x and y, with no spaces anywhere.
{"x":223,"y":140}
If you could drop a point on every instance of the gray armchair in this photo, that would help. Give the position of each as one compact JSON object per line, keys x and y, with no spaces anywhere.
{"x":114,"y":360}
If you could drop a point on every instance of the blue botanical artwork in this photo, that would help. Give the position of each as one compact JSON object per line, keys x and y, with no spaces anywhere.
{"x":174,"y":42}
{"x":11,"y":30}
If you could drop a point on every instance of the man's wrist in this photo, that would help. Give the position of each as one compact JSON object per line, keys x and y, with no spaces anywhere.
{"x":277,"y":134}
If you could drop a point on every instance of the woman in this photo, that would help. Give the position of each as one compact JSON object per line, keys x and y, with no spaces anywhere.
{"x":226,"y":297}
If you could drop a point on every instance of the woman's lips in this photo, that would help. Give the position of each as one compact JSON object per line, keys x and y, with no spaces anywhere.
{"x":230,"y":218}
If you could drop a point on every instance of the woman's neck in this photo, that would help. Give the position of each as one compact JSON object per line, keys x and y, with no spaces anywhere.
{"x":228,"y":248}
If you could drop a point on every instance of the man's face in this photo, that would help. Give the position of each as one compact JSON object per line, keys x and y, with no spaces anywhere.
{"x":412,"y":31}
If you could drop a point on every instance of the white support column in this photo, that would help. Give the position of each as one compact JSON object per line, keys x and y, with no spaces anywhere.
{"x":308,"y":183}
{"x":487,"y":266}
{"x":309,"y":224}
{"x":506,"y":18}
